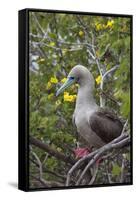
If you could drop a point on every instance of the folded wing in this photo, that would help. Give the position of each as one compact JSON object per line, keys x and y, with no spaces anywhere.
{"x":106,"y":125}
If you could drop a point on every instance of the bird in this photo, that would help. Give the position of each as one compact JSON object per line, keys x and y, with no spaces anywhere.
{"x":96,"y":126}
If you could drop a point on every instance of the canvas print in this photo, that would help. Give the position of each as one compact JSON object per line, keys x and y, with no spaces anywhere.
{"x":79,"y":99}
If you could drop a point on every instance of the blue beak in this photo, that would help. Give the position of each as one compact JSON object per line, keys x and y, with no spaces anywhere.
{"x":68,"y":83}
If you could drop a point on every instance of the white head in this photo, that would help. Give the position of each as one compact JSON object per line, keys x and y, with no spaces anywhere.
{"x":78,"y":74}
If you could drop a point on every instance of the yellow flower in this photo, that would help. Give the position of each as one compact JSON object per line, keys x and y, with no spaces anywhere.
{"x":98,"y":26}
{"x":52,"y":44}
{"x":49,"y":85}
{"x":70,"y":98}
{"x":104,"y":26}
{"x":110,"y":24}
{"x":98,"y":79}
{"x":63,"y":80}
{"x":54,"y":80}
{"x":66,"y":94}
{"x":81,"y":33}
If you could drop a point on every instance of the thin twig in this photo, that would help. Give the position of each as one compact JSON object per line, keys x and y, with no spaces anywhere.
{"x":45,"y":159}
{"x":124,"y":127}
{"x":94,"y":175}
{"x":122,"y":171}
{"x":38,"y":24}
{"x":107,"y":73}
{"x":77,"y":44}
{"x":108,"y":175}
{"x":40,"y":167}
{"x":91,"y":54}
{"x":48,"y":171}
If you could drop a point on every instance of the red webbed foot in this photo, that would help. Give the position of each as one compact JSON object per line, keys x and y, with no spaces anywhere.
{"x":81,"y":152}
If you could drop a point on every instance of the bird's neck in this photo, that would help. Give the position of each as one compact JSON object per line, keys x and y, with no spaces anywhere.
{"x":85,"y":97}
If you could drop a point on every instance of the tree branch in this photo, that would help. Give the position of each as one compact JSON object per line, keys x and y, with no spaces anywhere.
{"x":94,"y":175}
{"x":100,"y":153}
{"x":36,"y":21}
{"x":40,"y":168}
{"x":119,"y":142}
{"x":122,"y":171}
{"x":49,"y":171}
{"x":48,"y":184}
{"x":106,"y":74}
{"x":51,"y":151}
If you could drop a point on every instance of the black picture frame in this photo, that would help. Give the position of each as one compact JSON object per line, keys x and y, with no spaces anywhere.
{"x":23,"y":137}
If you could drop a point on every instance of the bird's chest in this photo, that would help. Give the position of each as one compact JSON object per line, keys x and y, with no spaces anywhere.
{"x":84,"y":129}
{"x":81,"y":121}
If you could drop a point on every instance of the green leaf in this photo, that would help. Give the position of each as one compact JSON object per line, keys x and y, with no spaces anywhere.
{"x":116,"y":170}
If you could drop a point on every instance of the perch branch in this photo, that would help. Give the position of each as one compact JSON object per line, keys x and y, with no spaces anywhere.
{"x":100,"y":153}
{"x":119,"y":142}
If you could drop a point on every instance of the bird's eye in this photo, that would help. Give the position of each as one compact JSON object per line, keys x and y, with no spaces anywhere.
{"x":71,"y":77}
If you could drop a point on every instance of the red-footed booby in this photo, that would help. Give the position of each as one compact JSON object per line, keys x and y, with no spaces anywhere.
{"x":95,"y":126}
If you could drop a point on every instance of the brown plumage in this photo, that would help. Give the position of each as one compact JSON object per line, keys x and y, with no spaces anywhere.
{"x":106,"y":125}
